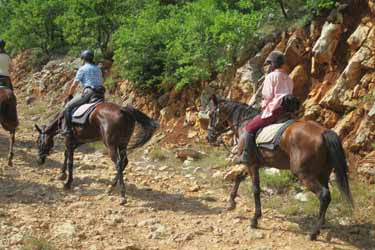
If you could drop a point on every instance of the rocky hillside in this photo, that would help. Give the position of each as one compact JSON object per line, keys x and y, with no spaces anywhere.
{"x":332,"y":63}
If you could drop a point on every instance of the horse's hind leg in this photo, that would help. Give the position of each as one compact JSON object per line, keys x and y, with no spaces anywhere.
{"x":322,"y":191}
{"x":11,"y":144}
{"x":233,"y":194}
{"x":120,"y":158}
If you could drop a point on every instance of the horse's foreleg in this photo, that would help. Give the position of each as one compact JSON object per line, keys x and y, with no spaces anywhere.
{"x":254,"y":172}
{"x":70,"y":152}
{"x":62,"y":175}
{"x":233,"y":194}
{"x":11,"y":144}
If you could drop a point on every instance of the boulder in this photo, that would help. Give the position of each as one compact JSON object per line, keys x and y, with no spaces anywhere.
{"x":337,"y":95}
{"x":358,"y":37}
{"x":183,"y":154}
{"x":295,"y":48}
{"x":301,"y":82}
{"x":325,"y":46}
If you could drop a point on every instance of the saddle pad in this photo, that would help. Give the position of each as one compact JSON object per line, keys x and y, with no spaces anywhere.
{"x":269,"y":137}
{"x":82,"y":109}
{"x":82,"y":113}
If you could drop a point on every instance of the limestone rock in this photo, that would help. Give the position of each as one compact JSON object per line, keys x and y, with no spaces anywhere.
{"x":301,"y":82}
{"x":336,"y":96}
{"x":295,"y":48}
{"x":358,"y":37}
{"x":183,"y":154}
{"x":235,"y":171}
{"x":325,"y":46}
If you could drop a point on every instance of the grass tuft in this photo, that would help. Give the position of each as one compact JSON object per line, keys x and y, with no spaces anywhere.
{"x":36,"y":243}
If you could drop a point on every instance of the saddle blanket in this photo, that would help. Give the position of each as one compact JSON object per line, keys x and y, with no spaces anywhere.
{"x":82,"y":113}
{"x":269,"y":137}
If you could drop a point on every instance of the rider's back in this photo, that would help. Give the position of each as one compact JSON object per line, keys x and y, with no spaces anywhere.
{"x":90,"y":75}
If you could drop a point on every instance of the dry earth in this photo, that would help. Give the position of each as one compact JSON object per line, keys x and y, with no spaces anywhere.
{"x":171,"y":205}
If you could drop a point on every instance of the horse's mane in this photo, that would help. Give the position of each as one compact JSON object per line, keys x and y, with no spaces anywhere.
{"x":53,"y":125}
{"x":238,"y":112}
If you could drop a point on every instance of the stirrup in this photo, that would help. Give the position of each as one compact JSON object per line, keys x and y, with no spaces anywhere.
{"x":242,"y":159}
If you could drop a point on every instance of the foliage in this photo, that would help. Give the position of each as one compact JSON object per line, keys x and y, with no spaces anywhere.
{"x":90,"y":24}
{"x":181,"y":44}
{"x":36,"y":243}
{"x":110,"y":84}
{"x":318,"y":5}
{"x":157,"y":44}
{"x":31,"y":24}
{"x":280,"y":182}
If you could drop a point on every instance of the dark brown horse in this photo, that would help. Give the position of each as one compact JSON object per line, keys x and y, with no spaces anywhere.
{"x":307,"y":149}
{"x":110,"y":123}
{"x":8,"y":117}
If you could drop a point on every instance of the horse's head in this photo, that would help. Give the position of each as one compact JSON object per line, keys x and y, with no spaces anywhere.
{"x":45,"y":144}
{"x":218,"y":119}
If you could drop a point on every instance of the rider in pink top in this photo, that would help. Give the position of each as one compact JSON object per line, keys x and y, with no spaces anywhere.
{"x":276,"y":85}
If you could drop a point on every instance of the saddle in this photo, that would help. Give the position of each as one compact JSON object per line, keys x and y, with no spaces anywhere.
{"x":5,"y":83}
{"x":82,"y":113}
{"x":269,"y":137}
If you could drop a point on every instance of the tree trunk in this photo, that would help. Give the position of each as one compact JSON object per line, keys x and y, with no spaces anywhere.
{"x":282,"y":8}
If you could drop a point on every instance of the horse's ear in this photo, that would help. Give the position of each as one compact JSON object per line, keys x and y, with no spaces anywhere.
{"x":37,"y":128}
{"x":214,"y":100}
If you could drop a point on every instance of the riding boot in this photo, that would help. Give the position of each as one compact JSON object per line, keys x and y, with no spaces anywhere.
{"x":68,"y":128}
{"x":248,"y":148}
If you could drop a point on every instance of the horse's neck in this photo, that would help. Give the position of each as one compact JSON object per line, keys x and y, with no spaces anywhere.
{"x":241,"y":113}
{"x":53,"y":127}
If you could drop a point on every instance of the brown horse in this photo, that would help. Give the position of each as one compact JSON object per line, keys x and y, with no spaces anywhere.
{"x":8,"y":117}
{"x":307,"y":149}
{"x":110,"y":123}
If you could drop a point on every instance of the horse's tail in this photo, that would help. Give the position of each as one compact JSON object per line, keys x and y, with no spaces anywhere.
{"x":336,"y":157}
{"x":148,"y":125}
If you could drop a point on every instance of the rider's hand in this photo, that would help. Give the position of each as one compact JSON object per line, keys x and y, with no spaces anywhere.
{"x":68,"y":98}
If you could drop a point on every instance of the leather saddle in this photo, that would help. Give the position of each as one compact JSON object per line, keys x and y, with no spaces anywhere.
{"x":82,"y":113}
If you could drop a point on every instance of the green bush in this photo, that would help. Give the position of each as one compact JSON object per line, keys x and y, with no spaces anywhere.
{"x":155,"y":44}
{"x":110,"y":84}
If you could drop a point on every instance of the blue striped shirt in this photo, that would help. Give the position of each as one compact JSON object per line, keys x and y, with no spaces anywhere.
{"x":90,"y":75}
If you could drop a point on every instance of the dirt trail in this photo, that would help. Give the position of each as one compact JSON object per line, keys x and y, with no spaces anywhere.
{"x":170,"y":206}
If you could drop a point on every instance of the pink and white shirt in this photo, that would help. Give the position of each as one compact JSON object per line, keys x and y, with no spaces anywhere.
{"x":276,"y":85}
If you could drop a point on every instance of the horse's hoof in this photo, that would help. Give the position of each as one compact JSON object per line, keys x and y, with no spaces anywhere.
{"x":123,"y":202}
{"x":313,"y":236}
{"x":10,"y":164}
{"x":230,"y":206}
{"x":61,"y":177}
{"x":110,"y":190}
{"x":254,"y":223}
{"x":67,"y":187}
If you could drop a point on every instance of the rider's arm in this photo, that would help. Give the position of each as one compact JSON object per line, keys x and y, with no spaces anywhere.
{"x":73,"y":87}
{"x":267,"y":91}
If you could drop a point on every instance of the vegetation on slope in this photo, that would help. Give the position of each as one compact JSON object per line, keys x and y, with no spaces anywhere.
{"x":155,"y":44}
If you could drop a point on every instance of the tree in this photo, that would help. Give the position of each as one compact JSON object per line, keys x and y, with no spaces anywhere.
{"x":32,"y":25}
{"x":90,"y":24}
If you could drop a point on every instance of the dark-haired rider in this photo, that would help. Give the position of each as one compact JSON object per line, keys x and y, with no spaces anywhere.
{"x":90,"y":77}
{"x":4,"y":66}
{"x":277,"y":84}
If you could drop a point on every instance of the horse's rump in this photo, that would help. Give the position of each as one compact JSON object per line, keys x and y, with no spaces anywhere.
{"x":8,"y":109}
